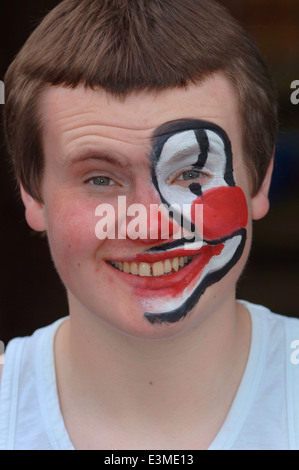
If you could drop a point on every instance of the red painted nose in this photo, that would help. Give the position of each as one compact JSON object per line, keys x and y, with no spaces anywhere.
{"x":224,"y":211}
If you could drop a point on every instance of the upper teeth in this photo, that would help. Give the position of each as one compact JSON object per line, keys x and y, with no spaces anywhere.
{"x":152,"y":269}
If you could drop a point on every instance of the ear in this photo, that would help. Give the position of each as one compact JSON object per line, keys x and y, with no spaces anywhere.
{"x":260,"y":202}
{"x":34,"y":211}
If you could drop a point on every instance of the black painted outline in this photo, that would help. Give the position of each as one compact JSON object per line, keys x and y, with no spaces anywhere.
{"x":167,"y":130}
{"x":211,"y":278}
{"x":162,"y":134}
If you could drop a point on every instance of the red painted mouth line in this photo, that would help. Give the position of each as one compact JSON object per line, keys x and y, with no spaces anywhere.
{"x":154,"y":257}
{"x":171,"y":284}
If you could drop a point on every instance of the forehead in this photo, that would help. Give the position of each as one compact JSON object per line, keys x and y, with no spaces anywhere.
{"x":74,"y":117}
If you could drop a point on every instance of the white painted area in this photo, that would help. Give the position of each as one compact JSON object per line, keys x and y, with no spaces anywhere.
{"x":163,"y":305}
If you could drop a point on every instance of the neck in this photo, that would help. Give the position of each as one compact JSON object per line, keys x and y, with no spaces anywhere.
{"x":154,"y":384}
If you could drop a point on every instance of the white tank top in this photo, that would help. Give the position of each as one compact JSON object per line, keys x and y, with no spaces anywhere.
{"x":264,"y":414}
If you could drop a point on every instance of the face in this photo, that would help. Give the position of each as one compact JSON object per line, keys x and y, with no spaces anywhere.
{"x":179,"y":150}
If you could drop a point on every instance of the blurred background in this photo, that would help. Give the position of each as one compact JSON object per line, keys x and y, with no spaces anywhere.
{"x":31,"y":294}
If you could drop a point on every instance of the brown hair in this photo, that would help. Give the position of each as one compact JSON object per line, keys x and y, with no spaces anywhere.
{"x":131,"y":45}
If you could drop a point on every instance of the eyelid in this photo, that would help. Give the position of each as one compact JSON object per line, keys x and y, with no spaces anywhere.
{"x":201,"y":173}
{"x":89,"y":180}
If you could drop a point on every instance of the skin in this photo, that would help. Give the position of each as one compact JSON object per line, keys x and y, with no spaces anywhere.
{"x":124,"y":362}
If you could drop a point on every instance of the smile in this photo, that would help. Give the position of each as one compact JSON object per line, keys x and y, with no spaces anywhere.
{"x":169,"y":283}
{"x":163,"y":275}
{"x":158,"y":268}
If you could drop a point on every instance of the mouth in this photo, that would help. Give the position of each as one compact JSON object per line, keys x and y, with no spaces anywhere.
{"x":170,"y":283}
{"x":163,"y":275}
{"x":209,"y":267}
{"x":153,"y":269}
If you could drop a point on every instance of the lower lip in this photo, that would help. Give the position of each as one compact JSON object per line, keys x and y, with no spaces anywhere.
{"x":171,"y":284}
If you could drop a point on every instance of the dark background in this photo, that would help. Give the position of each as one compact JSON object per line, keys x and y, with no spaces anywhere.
{"x":31,"y":294}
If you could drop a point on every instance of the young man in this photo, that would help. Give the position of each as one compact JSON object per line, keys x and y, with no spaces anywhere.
{"x":143,"y":142}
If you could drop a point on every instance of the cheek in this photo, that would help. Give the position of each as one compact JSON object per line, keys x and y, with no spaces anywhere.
{"x":224,"y":211}
{"x":71,"y":232}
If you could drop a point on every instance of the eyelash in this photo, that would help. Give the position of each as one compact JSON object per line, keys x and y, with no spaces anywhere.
{"x":91,"y":181}
{"x":199,"y":174}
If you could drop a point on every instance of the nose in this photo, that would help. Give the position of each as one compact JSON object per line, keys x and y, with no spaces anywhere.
{"x":159,"y":226}
{"x":148,"y":221}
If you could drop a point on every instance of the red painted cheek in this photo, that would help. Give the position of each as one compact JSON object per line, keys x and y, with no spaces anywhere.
{"x":224,"y":211}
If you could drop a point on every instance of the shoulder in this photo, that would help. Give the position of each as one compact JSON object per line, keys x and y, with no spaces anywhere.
{"x":274,"y":372}
{"x":21,"y":352}
{"x":28,"y":392}
{"x":273,"y":329}
{"x":261,"y":311}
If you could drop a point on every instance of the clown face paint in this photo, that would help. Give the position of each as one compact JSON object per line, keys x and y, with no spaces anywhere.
{"x":192,"y":166}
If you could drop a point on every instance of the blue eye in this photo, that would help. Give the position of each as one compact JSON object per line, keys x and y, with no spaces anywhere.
{"x":190,"y":175}
{"x":101,"y":181}
{"x":183,"y":179}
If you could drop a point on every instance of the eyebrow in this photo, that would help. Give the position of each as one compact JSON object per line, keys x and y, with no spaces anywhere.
{"x":101,"y":156}
{"x":180,"y":125}
{"x":173,"y":126}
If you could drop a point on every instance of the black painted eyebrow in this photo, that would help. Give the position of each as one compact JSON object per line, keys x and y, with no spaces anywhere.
{"x":162,"y":133}
{"x":180,"y":125}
